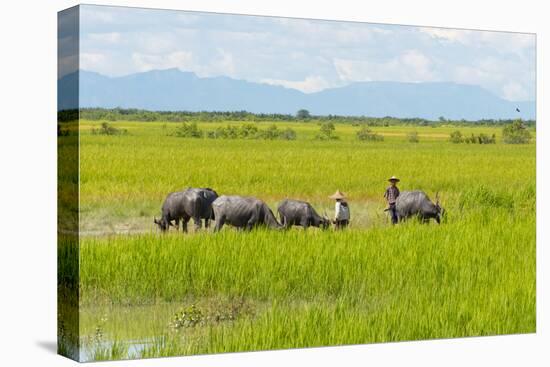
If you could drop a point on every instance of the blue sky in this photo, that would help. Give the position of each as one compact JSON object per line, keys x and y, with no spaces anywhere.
{"x":309,"y":55}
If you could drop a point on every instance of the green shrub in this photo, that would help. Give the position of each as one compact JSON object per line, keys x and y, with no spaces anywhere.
{"x":326,"y":132}
{"x":481,"y":139}
{"x":190,"y":130}
{"x":516,"y":133}
{"x":271,"y":133}
{"x":218,"y":133}
{"x":288,"y":134}
{"x":412,"y":137}
{"x":228,"y":132}
{"x":456,"y":137}
{"x":250,"y":131}
{"x":366,"y":134}
{"x":107,"y":129}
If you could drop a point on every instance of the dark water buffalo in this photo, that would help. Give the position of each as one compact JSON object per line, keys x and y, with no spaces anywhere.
{"x":417,"y":203}
{"x":183,"y":205}
{"x":300,"y":213}
{"x":243,"y":213}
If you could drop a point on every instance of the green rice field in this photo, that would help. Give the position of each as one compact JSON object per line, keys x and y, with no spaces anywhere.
{"x":147,"y":294}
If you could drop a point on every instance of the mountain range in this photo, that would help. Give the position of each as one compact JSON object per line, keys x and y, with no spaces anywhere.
{"x":175,"y":90}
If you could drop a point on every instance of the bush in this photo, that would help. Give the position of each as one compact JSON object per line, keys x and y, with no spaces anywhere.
{"x":485,"y":139}
{"x":516,"y":133}
{"x":228,"y":132}
{"x":412,"y":137}
{"x":367,"y":134}
{"x":250,"y":131}
{"x":456,"y":137}
{"x":326,"y":132}
{"x":188,"y":131}
{"x":288,"y":134}
{"x":481,"y":139}
{"x":107,"y":129}
{"x":271,"y":133}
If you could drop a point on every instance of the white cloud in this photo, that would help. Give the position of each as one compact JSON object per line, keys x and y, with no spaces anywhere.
{"x":514,"y":92}
{"x":156,"y":43}
{"x":188,"y":18}
{"x":504,"y":42}
{"x":447,"y":34}
{"x":313,"y":34}
{"x":310,"y":84}
{"x":180,"y":59}
{"x":501,"y":76}
{"x":409,"y":66}
{"x":223,"y":64}
{"x":91,"y":61}
{"x":110,"y":37}
{"x":236,"y":36}
{"x":307,"y":55}
{"x":419,"y":64}
{"x":470,"y":75}
{"x":383,"y":31}
{"x":100,"y":15}
{"x":349,"y":70}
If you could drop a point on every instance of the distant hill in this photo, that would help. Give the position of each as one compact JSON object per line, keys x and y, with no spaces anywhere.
{"x":175,"y":90}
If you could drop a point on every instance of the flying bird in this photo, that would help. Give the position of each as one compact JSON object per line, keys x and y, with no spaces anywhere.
{"x":517,"y":109}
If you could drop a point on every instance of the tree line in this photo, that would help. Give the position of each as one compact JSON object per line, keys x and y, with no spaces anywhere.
{"x":133,"y":114}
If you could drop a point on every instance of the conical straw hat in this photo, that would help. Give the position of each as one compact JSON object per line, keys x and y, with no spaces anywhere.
{"x":393,"y":178}
{"x":337,"y":195}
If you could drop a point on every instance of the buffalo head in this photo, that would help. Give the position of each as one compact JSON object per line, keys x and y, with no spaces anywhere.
{"x":162,"y":224}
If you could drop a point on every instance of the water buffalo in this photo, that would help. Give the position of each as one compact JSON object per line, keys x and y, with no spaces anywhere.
{"x":417,"y":203}
{"x":183,"y":205}
{"x":300,"y":213}
{"x":243,"y":213}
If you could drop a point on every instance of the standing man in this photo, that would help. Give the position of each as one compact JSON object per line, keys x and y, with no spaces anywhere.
{"x":391,"y":194}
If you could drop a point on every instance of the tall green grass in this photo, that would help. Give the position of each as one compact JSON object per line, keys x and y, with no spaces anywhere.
{"x":305,"y":265}
{"x":475,"y":276}
{"x":472,"y":275}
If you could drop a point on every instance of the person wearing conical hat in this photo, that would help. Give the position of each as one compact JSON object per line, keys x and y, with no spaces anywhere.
{"x":391,"y":195}
{"x":341,"y":210}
